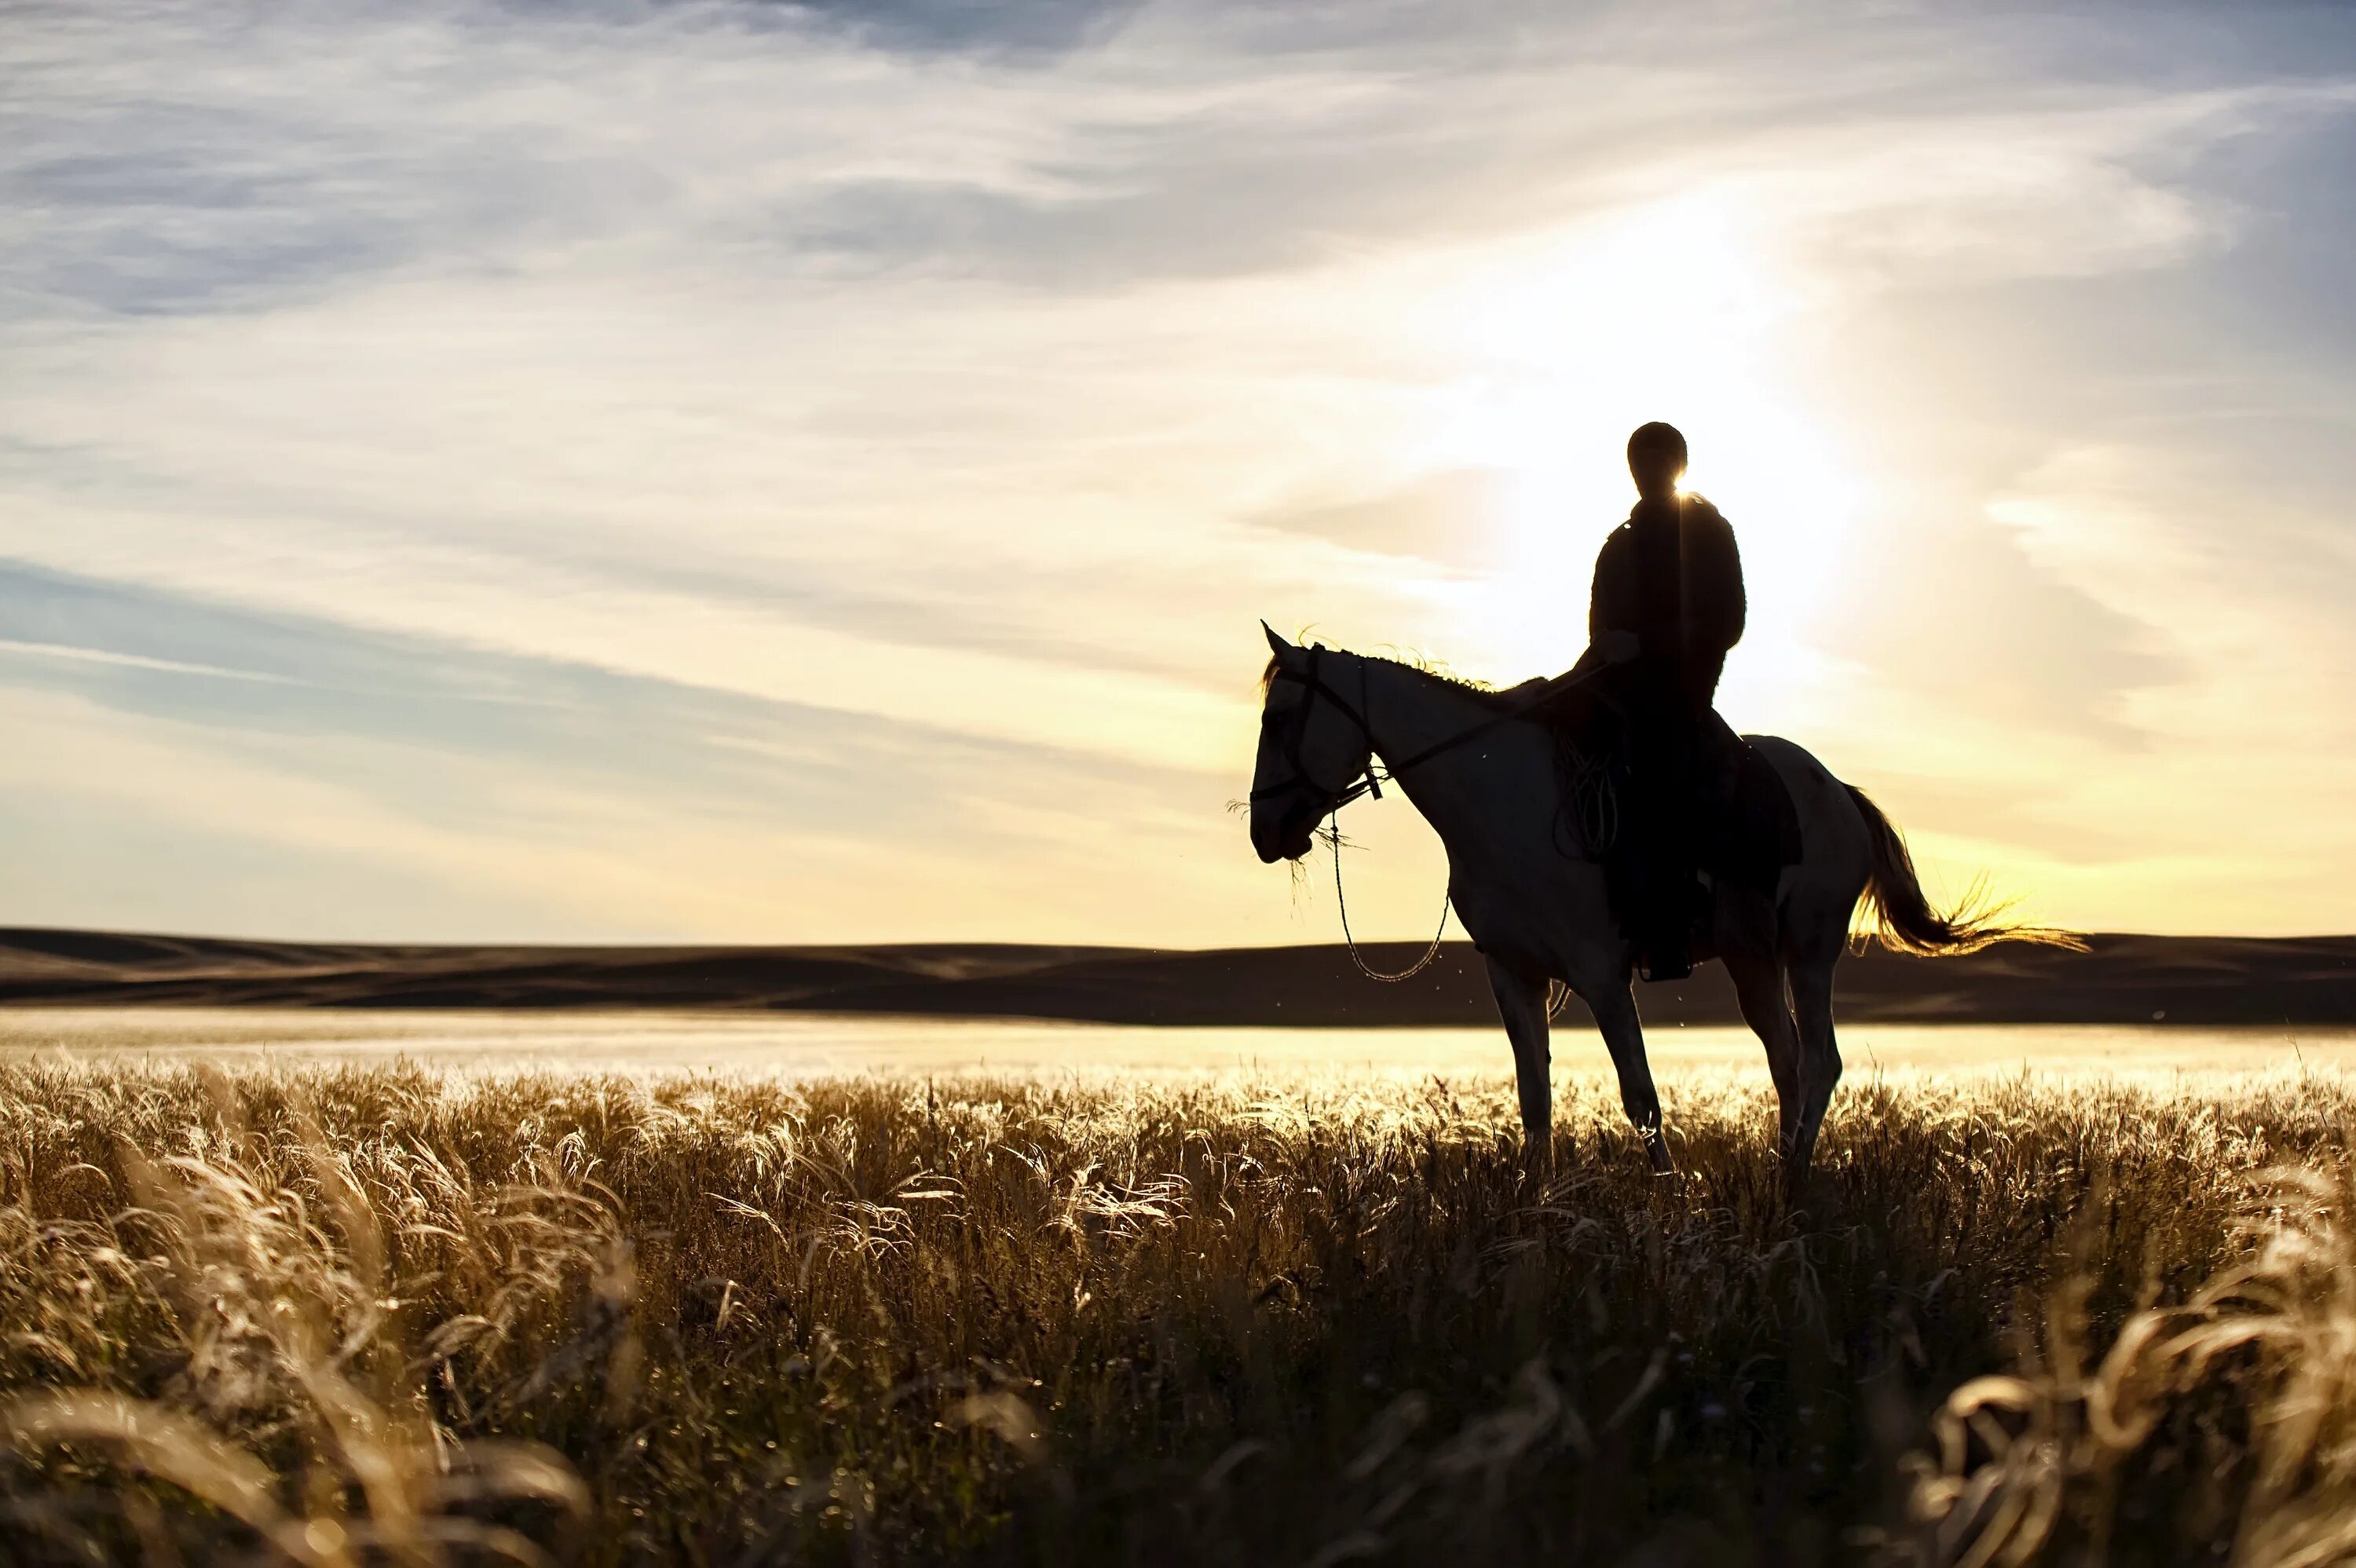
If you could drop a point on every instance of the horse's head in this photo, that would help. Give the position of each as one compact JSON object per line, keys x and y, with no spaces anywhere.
{"x":1312,"y":747}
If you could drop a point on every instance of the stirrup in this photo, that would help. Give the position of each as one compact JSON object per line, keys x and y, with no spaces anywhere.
{"x":1652,"y":969}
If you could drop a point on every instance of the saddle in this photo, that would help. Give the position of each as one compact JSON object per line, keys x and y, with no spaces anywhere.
{"x":1745,"y":829}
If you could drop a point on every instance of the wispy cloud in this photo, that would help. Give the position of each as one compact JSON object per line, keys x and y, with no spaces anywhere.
{"x":942,"y":382}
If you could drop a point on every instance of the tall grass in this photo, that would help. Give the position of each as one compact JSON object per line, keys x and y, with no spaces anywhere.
{"x":382,"y":1316}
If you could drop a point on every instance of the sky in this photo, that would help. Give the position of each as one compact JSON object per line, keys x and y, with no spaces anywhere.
{"x":777,"y":472}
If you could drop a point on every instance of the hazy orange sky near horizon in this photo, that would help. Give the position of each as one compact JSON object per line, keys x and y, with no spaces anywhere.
{"x":762,"y":472}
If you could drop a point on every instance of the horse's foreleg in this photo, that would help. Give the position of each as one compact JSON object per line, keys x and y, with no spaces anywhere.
{"x":1624,"y":1034}
{"x":1758,"y":986}
{"x":1812,"y":1003}
{"x":1521,"y":1003}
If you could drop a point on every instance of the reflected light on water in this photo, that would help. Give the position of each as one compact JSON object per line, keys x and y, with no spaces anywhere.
{"x":809,"y":1045}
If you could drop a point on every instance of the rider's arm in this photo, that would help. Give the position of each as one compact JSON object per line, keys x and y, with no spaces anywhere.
{"x":1721,"y":594}
{"x":1612,"y":609}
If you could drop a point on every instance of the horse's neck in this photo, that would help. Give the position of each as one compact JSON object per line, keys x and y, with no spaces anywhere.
{"x":1409,"y":713}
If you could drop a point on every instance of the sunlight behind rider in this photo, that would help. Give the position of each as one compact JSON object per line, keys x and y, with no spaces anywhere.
{"x":1542,"y":387}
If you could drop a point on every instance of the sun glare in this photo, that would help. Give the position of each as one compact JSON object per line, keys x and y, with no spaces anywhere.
{"x":1671,"y":311}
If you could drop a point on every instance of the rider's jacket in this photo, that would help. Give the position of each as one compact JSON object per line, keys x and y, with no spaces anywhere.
{"x":1671,"y":575}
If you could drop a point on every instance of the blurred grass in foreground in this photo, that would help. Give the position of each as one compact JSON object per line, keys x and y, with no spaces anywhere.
{"x":373,"y":1315}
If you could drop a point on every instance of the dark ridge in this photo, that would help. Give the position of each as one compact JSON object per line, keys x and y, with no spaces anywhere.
{"x":2122,"y":979}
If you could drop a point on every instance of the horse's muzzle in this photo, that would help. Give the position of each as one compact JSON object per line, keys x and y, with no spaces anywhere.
{"x":1287,"y":835}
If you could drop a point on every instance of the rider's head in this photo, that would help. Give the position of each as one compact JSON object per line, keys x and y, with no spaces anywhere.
{"x":1656,"y":456}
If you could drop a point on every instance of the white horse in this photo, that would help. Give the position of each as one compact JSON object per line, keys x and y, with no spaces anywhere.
{"x":1485,"y":778}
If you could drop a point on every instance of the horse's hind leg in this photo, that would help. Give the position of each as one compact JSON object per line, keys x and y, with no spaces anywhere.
{"x":1624,"y":1034}
{"x":1758,"y":986}
{"x":1812,"y":1002}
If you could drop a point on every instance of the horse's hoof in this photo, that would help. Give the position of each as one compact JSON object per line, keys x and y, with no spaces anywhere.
{"x":1656,"y":1149}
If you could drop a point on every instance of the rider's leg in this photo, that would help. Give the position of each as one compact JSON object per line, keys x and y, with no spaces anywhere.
{"x":1615,"y":1014}
{"x":1521,"y":1003}
{"x":1665,"y":903}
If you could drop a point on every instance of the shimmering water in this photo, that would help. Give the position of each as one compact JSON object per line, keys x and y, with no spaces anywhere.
{"x":814,"y":1045}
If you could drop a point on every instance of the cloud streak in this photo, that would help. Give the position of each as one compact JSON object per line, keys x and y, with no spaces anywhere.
{"x":946,"y":382}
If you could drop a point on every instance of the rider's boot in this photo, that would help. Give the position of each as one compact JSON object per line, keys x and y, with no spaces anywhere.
{"x":1670,"y":957}
{"x":1674,"y":929}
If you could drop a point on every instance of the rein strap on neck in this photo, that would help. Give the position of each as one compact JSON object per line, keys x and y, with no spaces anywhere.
{"x":1371,"y":783}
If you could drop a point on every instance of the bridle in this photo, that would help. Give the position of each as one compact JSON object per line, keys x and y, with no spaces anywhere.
{"x":1369,"y":782}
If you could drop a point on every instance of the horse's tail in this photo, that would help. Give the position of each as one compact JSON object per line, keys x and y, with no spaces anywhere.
{"x":1908,"y":922}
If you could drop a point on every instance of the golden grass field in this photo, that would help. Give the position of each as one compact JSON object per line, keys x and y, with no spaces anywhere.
{"x":340,"y":1313}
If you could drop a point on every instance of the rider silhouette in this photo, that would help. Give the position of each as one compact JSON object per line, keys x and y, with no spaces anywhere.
{"x":1667,"y":604}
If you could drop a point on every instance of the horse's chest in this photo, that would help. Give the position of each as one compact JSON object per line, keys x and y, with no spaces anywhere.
{"x":1543,"y":917}
{"x":1499,"y":922}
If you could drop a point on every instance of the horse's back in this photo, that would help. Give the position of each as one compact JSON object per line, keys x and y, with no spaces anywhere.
{"x":1836,"y":854}
{"x":1797,"y":766}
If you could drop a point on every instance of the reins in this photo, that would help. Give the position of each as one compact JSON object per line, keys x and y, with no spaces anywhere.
{"x":1342,"y":903}
{"x":1371,"y":783}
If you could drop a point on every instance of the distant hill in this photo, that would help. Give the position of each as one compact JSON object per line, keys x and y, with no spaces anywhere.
{"x":2125,"y":979}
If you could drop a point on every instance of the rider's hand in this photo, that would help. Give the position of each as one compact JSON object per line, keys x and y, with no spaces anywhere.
{"x":1617,"y":647}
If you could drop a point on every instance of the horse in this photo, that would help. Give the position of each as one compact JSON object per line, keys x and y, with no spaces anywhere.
{"x":1482,"y":773}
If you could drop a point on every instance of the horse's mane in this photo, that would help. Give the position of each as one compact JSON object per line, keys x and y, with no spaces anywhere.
{"x":1424,"y":669}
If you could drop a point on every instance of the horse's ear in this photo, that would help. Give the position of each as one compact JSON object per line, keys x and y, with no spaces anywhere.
{"x":1276,"y":645}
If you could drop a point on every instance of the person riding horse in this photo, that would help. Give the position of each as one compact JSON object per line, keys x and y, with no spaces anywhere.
{"x":1668,"y":603}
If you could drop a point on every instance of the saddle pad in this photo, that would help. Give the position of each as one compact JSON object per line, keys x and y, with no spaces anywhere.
{"x":1757,"y":833}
